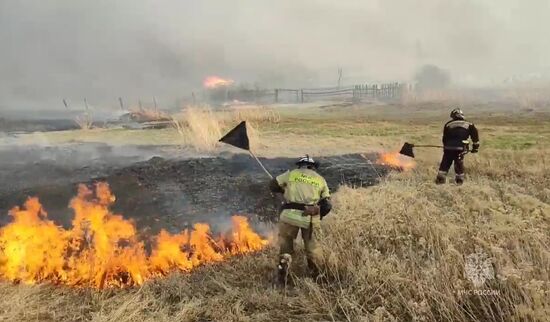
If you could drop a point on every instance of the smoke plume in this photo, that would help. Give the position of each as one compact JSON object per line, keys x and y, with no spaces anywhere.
{"x":104,"y":49}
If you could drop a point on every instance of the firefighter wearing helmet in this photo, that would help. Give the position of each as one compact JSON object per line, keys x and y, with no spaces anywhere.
{"x":306,"y":197}
{"x":455,"y":142}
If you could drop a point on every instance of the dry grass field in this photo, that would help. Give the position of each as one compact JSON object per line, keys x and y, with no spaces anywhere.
{"x":393,"y":252}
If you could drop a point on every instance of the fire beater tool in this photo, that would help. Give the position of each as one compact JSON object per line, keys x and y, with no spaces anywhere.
{"x":238,"y":137}
{"x":407,"y":148}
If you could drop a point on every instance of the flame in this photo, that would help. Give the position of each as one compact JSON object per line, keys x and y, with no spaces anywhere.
{"x":102,"y":249}
{"x":396,"y":160}
{"x":216,"y":81}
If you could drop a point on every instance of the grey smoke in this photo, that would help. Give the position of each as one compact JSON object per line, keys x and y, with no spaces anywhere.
{"x":103,"y":49}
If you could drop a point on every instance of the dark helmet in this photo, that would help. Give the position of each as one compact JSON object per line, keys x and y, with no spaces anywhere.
{"x":306,"y":160}
{"x":457,"y":114}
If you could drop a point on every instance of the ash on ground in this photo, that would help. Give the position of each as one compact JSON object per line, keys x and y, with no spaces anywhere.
{"x":163,"y":193}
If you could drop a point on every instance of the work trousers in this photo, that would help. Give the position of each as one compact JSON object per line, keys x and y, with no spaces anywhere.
{"x":310,"y":236}
{"x":450,"y":157}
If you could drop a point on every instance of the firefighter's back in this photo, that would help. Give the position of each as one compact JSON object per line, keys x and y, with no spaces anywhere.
{"x":455,"y":132}
{"x":304,"y":186}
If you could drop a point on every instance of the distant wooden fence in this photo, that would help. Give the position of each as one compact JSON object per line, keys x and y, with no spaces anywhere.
{"x":388,"y":91}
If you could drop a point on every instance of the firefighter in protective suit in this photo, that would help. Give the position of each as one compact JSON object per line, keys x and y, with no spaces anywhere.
{"x":455,"y":145}
{"x":306,"y":197}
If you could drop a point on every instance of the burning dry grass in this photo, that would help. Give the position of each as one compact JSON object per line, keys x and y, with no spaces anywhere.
{"x":102,"y":248}
{"x":394,"y":252}
{"x":216,"y":81}
{"x":396,"y":161}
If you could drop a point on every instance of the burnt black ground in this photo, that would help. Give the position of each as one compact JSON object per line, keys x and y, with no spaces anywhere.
{"x":156,"y":190}
{"x":42,"y":125}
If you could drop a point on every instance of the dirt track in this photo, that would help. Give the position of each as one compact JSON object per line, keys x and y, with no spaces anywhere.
{"x":154,"y":190}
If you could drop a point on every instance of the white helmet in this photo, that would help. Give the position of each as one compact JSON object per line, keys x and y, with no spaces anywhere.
{"x":306,"y":160}
{"x":457,"y":114}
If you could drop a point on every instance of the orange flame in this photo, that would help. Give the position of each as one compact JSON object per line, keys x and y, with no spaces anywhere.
{"x":396,"y":160}
{"x":102,"y":248}
{"x":216,"y":81}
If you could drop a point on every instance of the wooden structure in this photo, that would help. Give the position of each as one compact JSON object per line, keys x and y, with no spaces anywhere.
{"x":388,"y":91}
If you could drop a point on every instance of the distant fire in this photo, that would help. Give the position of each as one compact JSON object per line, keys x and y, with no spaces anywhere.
{"x":395,"y":160}
{"x":215,"y":81}
{"x":102,"y":249}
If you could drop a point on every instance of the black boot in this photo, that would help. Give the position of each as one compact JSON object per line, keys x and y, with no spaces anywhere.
{"x":441,"y":177}
{"x":459,"y":179}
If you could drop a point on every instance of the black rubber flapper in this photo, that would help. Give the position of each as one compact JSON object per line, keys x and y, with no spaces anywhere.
{"x":237,"y":137}
{"x":407,"y":150}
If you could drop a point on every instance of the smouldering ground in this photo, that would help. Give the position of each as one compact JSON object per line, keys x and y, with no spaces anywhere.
{"x":394,"y":252}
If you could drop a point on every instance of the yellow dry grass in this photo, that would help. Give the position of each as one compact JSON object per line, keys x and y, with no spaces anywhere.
{"x":393,"y":252}
{"x":201,"y":127}
{"x":148,"y":114}
{"x":255,"y":114}
{"x":85,"y":121}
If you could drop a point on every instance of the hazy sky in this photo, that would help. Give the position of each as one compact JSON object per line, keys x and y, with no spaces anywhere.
{"x":103,"y":49}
